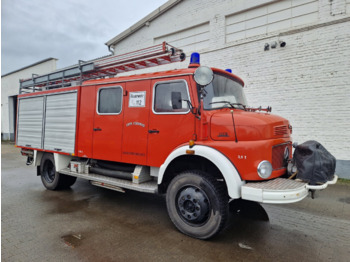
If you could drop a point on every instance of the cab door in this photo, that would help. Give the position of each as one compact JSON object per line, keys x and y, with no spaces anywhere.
{"x":108,"y":122}
{"x":135,"y":127}
{"x":171,"y":123}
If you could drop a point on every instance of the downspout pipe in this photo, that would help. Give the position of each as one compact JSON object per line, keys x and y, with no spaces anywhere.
{"x":110,"y":49}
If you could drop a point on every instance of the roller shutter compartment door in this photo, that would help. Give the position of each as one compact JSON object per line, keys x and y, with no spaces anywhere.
{"x":30,"y":122}
{"x":60,"y":122}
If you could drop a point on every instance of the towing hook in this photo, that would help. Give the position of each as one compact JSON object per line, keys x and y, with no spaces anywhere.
{"x":312,"y":191}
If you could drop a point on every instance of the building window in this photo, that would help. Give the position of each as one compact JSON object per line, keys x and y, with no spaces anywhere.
{"x":110,"y":100}
{"x":171,"y":97}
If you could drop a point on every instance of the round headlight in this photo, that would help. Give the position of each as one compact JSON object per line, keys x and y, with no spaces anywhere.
{"x":264,"y":169}
{"x":203,"y":75}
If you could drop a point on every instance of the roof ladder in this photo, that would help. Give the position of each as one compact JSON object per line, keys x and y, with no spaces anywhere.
{"x":103,"y":67}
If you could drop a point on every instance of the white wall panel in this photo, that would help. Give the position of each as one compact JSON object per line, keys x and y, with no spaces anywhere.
{"x":272,"y":18}
{"x":304,"y":19}
{"x":191,"y":38}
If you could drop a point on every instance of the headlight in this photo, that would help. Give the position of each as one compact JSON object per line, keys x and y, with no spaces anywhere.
{"x":264,"y":169}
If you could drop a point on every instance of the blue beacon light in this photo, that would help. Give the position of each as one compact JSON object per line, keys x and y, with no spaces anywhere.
{"x":195,"y":60}
{"x":228,"y":70}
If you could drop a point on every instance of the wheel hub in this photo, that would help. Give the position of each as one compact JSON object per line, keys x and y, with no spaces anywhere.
{"x":193,"y":205}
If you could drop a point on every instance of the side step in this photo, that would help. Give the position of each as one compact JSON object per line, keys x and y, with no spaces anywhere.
{"x":114,"y":183}
{"x":108,"y":186}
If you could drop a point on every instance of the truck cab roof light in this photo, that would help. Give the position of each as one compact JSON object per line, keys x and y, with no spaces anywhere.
{"x":203,"y":76}
{"x":195,"y":60}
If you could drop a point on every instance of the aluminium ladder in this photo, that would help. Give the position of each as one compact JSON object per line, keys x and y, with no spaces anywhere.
{"x":103,"y":67}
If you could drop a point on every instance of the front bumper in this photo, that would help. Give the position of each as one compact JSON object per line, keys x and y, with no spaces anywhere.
{"x":279,"y":190}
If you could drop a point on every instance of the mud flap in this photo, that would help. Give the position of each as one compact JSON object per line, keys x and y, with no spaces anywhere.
{"x":248,"y":209}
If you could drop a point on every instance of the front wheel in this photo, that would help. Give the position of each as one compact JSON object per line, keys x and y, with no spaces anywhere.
{"x":197,"y":204}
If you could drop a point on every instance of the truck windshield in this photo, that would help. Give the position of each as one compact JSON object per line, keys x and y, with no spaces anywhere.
{"x":224,"y":92}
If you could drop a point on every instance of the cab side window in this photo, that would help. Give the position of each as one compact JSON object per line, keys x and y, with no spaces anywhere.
{"x":170,"y":97}
{"x":110,"y":100}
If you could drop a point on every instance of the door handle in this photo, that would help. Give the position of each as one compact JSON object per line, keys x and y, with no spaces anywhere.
{"x":154,"y":131}
{"x":97,"y":129}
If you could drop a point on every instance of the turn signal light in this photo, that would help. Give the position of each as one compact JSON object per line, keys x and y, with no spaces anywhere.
{"x":190,"y":152}
{"x":191,"y":143}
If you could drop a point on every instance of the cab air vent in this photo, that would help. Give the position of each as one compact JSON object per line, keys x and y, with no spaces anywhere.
{"x":280,"y":130}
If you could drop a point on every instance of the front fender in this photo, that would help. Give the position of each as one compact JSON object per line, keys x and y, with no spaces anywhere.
{"x":227,"y":169}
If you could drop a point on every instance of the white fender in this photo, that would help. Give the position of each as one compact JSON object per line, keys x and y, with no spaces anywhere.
{"x":61,"y":161}
{"x":37,"y":157}
{"x":227,"y":169}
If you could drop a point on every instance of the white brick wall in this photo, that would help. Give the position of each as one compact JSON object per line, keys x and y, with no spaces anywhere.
{"x":308,"y":81}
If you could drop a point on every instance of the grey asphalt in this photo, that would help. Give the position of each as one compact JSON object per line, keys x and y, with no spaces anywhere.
{"x":88,"y":223}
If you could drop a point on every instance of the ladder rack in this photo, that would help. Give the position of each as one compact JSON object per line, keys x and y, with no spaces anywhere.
{"x":103,"y":67}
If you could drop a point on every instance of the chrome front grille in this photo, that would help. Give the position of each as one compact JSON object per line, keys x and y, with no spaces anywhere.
{"x":279,"y":160}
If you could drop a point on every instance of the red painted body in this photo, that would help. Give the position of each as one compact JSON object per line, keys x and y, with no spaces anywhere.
{"x":140,"y":136}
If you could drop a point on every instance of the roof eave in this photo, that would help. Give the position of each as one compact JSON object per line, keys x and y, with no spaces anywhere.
{"x":31,"y":65}
{"x":159,"y":11}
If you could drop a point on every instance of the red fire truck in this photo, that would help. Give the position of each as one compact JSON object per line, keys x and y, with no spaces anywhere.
{"x":186,"y":133}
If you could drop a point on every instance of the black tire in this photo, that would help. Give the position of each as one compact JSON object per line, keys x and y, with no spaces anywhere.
{"x":51,"y":179}
{"x":197,"y":204}
{"x":67,"y":181}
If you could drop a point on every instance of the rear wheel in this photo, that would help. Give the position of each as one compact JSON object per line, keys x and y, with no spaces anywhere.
{"x":51,"y":179}
{"x":197,"y":204}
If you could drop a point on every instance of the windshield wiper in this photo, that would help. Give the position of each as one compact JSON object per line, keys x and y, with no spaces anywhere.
{"x":232,"y":105}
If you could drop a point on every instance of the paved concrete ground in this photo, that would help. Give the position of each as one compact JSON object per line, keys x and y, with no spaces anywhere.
{"x":89,"y":223}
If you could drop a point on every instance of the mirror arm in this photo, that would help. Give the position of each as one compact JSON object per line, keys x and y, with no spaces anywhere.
{"x":194,"y":111}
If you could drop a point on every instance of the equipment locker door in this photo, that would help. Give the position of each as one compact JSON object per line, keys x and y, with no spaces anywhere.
{"x":171,"y":123}
{"x":108,"y":121}
{"x":30,"y":122}
{"x":135,"y":128}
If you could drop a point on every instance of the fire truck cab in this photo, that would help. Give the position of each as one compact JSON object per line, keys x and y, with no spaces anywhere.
{"x":187,"y":134}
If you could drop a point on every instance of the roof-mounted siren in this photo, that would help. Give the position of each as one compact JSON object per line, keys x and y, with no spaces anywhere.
{"x":228,"y":70}
{"x":195,"y":60}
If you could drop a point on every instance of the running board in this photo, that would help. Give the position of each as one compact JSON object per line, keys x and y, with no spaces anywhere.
{"x":108,"y":186}
{"x":114,"y":183}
